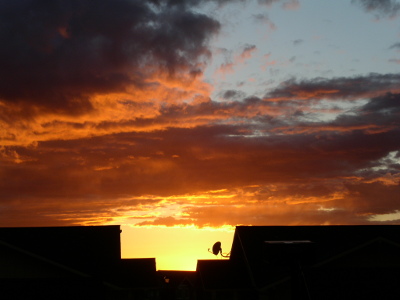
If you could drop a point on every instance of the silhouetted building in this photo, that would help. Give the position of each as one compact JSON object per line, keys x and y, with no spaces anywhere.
{"x":72,"y":263}
{"x":266,"y":262}
{"x":306,"y":262}
{"x":221,"y":279}
{"x":178,"y":285}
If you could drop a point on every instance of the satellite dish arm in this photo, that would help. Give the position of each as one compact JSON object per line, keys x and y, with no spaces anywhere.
{"x":225,"y":255}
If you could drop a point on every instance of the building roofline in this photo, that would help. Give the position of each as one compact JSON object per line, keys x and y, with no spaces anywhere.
{"x":249,"y":271}
{"x":339,"y":255}
{"x":46,"y":260}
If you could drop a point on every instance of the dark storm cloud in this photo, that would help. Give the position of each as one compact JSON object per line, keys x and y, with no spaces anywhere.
{"x":337,"y":88}
{"x":57,"y":53}
{"x":382,"y":8}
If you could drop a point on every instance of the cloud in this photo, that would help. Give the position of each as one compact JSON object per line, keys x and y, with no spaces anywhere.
{"x":106,"y":117}
{"x":263,"y":178}
{"x":232,"y":95}
{"x":382,"y":8}
{"x":337,"y":88}
{"x":226,"y":68}
{"x":63,"y":53}
{"x":298,"y":42}
{"x":291,"y":5}
{"x":246,"y":52}
{"x":267,"y":62}
{"x":267,"y":2}
{"x":378,"y":115}
{"x":263,"y":18}
{"x":395,"y":46}
{"x":287,"y":4}
{"x":166,"y":221}
{"x":82,"y":66}
{"x":292,"y":205}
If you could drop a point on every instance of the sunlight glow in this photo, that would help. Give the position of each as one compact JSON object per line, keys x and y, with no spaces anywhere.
{"x":175,"y":248}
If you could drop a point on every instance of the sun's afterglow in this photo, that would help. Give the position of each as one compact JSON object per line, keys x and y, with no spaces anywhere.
{"x":175,"y":248}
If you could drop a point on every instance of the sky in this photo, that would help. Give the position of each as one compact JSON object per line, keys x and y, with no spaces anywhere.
{"x":179,"y":120}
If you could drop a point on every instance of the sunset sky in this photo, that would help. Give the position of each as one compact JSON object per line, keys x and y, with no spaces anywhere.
{"x":180,"y":119}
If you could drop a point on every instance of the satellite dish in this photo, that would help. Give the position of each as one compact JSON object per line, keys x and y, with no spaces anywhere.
{"x":217,"y":249}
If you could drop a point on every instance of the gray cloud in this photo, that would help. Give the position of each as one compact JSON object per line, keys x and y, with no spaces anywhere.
{"x":381,"y":8}
{"x":337,"y":88}
{"x":298,"y":42}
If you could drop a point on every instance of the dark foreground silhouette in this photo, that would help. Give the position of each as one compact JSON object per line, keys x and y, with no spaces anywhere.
{"x":265,"y":262}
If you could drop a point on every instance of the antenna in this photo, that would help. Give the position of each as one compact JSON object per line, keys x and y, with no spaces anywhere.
{"x":216,"y":248}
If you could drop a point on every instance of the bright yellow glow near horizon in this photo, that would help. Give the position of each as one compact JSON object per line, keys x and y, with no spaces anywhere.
{"x":175,"y":248}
